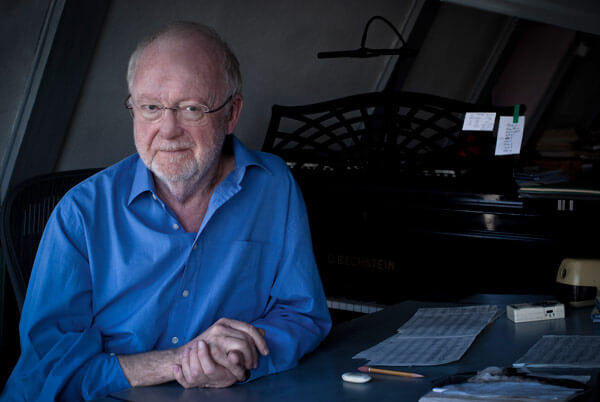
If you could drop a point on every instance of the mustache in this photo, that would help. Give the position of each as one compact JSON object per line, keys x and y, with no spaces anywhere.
{"x":173,"y":146}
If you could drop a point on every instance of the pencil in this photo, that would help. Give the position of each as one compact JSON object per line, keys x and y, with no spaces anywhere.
{"x":367,"y":369}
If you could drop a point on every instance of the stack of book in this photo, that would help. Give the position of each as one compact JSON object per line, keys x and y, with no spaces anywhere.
{"x":535,"y":176}
{"x":534,"y":181}
{"x":557,"y":143}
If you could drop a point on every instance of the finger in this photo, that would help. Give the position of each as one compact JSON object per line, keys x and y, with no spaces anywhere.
{"x":206,"y":361}
{"x":178,"y":373}
{"x":236,"y":360}
{"x":256,"y":335}
{"x":243,"y":374}
{"x":236,"y":368}
{"x":235,"y":357}
{"x":245,"y":352}
{"x":185,"y":366}
{"x":191,"y":368}
{"x":229,"y":339}
{"x":196,"y":374}
{"x":217,"y":376}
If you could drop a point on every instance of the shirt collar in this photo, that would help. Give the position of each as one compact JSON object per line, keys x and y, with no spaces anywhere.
{"x":142,"y":181}
{"x":244,"y":158}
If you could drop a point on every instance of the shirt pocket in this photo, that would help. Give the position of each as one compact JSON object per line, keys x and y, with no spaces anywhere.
{"x":241,"y":277}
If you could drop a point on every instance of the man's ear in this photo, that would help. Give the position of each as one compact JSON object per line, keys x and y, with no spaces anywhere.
{"x":234,"y":116}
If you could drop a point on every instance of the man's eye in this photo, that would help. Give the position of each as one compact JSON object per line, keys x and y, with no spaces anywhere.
{"x":191,"y":108}
{"x":151,"y":108}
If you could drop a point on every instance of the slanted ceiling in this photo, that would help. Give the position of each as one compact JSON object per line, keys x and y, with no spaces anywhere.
{"x":578,"y":15}
{"x":277,"y":43}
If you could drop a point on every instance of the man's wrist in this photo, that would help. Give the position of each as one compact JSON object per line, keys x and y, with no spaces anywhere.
{"x":150,"y":368}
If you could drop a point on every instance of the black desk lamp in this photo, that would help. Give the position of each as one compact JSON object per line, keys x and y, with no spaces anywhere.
{"x":364,"y":52}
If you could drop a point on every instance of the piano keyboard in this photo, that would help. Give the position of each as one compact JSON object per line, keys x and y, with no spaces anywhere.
{"x":354,"y":306}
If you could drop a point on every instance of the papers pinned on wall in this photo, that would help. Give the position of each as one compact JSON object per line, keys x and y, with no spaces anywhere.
{"x":510,"y":135}
{"x":510,"y":129}
{"x":479,"y":121}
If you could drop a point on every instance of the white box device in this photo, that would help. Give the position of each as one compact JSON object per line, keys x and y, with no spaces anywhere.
{"x":546,"y":310}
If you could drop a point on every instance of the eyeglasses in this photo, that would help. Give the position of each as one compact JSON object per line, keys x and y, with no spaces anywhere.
{"x":192,"y":113}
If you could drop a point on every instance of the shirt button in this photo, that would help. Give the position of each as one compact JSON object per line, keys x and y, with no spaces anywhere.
{"x":195,"y":246}
{"x":175,"y":226}
{"x":174,"y":340}
{"x":154,"y":196}
{"x":112,"y":353}
{"x":185,"y":293}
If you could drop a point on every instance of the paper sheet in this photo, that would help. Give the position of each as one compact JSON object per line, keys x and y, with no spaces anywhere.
{"x":479,"y":121}
{"x":401,"y":350}
{"x":432,"y":336}
{"x":570,"y":351}
{"x":448,"y":321}
{"x":510,"y":135}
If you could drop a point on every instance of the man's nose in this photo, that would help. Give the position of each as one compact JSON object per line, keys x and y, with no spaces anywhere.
{"x":169,"y":123}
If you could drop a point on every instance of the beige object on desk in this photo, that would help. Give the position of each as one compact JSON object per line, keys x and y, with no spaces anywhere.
{"x":582,"y":277}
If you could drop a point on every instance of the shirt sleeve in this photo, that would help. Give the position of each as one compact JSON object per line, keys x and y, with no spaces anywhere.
{"x":297,"y":318}
{"x":62,"y":354}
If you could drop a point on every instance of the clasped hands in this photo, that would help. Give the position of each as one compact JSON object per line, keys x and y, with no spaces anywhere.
{"x":221,"y":355}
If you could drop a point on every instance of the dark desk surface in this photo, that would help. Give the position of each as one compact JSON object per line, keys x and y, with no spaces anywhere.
{"x":318,"y":376}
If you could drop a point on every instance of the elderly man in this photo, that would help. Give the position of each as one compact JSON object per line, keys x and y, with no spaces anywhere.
{"x":189,"y":261}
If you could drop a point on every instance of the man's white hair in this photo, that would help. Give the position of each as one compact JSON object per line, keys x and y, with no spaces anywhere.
{"x":231,"y":66}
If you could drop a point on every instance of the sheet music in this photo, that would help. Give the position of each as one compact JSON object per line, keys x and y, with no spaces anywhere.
{"x":448,"y":321}
{"x":432,"y":336}
{"x":563,"y":351}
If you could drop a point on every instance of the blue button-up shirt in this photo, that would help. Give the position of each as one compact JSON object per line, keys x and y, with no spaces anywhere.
{"x":116,"y":273}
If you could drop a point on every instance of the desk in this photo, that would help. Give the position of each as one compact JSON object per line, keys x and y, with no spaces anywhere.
{"x":317,"y":378}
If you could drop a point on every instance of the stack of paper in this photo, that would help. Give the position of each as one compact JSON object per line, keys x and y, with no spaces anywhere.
{"x":498,"y":384}
{"x":571,"y":351}
{"x":432,"y":336}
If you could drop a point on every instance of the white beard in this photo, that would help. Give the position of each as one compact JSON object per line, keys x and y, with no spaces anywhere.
{"x":178,"y":170}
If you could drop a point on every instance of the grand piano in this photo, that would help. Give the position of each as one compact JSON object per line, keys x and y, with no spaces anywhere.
{"x":403,"y":204}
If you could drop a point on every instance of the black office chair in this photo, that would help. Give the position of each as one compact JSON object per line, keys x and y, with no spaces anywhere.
{"x":24,"y":214}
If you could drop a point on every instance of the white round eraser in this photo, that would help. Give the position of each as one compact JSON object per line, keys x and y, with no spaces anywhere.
{"x":358,"y":378}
